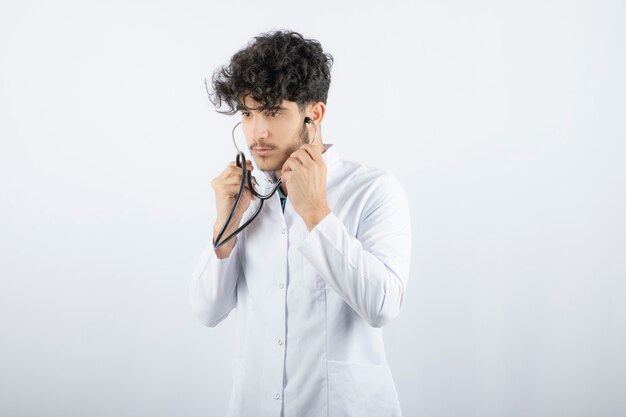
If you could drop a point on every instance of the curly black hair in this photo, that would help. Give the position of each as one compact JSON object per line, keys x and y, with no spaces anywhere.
{"x":275,"y":66}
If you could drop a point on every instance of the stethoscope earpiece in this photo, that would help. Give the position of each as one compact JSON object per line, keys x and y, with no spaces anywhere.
{"x":307,"y":119}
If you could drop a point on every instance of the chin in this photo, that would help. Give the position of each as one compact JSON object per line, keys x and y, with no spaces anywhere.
{"x":265,"y":166}
{"x":269,"y":165}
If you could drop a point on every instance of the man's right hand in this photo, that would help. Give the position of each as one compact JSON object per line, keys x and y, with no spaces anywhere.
{"x":226,"y":186}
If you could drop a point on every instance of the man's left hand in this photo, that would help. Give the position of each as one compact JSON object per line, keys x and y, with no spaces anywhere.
{"x":304,"y":176}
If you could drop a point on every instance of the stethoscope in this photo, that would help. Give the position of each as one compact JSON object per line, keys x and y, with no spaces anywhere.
{"x":240,"y":160}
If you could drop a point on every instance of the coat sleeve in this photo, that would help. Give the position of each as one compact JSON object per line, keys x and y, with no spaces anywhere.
{"x":213,"y":287}
{"x":369,"y":270}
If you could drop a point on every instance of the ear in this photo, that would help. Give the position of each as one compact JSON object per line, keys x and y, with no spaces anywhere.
{"x":316,"y":112}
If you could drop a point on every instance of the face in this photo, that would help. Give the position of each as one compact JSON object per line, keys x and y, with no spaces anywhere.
{"x":273,"y":135}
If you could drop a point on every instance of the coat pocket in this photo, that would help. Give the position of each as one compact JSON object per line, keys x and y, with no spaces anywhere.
{"x":361,"y":390}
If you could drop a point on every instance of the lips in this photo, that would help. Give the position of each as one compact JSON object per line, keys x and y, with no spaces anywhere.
{"x":262,"y":151}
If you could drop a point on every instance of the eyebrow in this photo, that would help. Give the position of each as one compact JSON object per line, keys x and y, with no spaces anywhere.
{"x":243,"y":108}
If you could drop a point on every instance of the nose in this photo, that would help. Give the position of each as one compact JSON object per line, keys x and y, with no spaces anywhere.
{"x":257,"y":129}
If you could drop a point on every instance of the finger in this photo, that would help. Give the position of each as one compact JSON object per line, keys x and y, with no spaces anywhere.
{"x":229,"y":170}
{"x":303,"y":157}
{"x":313,"y":152}
{"x":284,"y":178}
{"x":233,"y":165}
{"x":232,"y":180}
{"x":234,"y":170}
{"x":230,"y":190}
{"x":291,"y":164}
{"x":233,"y":190}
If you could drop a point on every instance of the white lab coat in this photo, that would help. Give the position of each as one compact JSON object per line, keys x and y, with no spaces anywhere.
{"x":310,"y":305}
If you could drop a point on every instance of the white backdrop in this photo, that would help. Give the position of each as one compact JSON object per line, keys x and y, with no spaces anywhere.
{"x":505,"y":122}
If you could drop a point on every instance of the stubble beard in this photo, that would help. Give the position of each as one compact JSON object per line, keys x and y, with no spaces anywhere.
{"x":302,"y":140}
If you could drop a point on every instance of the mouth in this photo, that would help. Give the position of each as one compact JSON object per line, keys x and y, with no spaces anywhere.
{"x":262,"y":151}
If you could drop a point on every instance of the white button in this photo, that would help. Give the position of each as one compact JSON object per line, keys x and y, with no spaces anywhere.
{"x":277,"y":396}
{"x":281,"y":285}
{"x":284,"y":231}
{"x":280,"y":342}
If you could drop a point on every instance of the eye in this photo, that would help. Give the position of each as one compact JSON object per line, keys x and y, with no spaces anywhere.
{"x":273,"y":113}
{"x":245,"y":114}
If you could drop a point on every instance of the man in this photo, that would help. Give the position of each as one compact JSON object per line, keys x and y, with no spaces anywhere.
{"x":324,"y":265}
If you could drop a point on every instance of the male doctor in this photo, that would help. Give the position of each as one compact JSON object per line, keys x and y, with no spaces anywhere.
{"x":323,"y":267}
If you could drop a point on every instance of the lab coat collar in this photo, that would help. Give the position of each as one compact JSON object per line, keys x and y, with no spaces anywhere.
{"x":330,"y":154}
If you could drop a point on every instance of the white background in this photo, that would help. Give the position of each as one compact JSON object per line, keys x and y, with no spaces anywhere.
{"x":504,"y":121}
